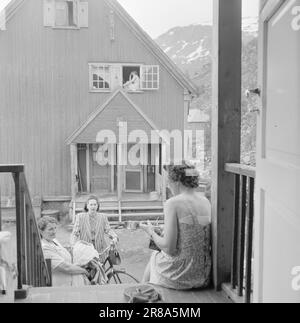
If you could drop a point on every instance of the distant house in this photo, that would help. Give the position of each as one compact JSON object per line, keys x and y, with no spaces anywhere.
{"x":65,"y":75}
{"x":199,"y":123}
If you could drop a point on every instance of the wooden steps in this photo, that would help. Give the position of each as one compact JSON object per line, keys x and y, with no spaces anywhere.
{"x":133,"y":209}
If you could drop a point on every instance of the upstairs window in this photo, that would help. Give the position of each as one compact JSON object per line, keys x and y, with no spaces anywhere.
{"x":150,"y":77}
{"x":132,"y":78}
{"x":100,"y":77}
{"x":66,"y":13}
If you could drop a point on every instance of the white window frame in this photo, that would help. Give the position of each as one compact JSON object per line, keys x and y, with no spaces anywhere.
{"x":122,"y":65}
{"x":132,"y":65}
{"x":91,"y":79}
{"x":144,"y":74}
{"x":75,"y":15}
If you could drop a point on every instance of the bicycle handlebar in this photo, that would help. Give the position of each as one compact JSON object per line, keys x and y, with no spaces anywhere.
{"x":111,"y":246}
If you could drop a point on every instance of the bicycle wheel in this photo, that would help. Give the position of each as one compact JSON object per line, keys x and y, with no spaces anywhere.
{"x":121,"y":277}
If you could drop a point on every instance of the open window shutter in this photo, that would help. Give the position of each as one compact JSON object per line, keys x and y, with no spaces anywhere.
{"x":156,"y":77}
{"x":49,"y":13}
{"x":75,"y":12}
{"x":61,"y":14}
{"x":83,"y":14}
{"x":116,"y":77}
{"x":143,"y":77}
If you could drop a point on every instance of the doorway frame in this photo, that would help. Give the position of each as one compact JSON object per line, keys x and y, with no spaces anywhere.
{"x":267,"y":11}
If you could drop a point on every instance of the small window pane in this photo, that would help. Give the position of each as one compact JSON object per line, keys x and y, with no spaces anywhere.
{"x":150,"y":77}
{"x":101,"y":74}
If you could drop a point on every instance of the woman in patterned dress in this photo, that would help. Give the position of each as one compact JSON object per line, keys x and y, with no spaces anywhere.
{"x":92,"y":227}
{"x":184,"y":261}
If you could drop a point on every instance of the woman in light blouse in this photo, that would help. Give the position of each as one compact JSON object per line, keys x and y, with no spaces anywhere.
{"x":64,"y":273}
{"x":92,"y":227}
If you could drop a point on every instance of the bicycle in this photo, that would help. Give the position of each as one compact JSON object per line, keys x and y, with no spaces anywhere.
{"x":118,"y":275}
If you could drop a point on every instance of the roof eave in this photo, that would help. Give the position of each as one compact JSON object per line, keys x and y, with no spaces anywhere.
{"x":157,"y":51}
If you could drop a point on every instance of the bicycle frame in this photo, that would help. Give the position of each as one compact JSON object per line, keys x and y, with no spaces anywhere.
{"x":111,"y":272}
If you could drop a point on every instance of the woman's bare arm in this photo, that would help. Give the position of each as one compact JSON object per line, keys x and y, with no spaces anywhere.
{"x":109,"y":231}
{"x":168,"y":242}
{"x":71,"y":269}
{"x":75,"y":235}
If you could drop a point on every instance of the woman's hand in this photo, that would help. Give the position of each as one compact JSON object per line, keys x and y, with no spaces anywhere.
{"x":84,"y":272}
{"x":148,"y":228}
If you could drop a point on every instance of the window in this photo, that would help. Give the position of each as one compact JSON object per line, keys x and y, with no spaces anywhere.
{"x":132,"y":78}
{"x":150,"y":77}
{"x":70,"y":14}
{"x":66,"y":13}
{"x":100,"y":77}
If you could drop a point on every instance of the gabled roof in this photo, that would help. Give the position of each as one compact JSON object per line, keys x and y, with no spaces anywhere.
{"x":100,"y":109}
{"x":172,"y":68}
{"x":11,"y":8}
{"x":162,"y":57}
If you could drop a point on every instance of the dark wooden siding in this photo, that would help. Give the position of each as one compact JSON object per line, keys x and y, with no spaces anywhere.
{"x":44,"y":90}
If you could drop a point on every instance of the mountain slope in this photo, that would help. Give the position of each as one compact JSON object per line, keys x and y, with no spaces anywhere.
{"x":190,"y":48}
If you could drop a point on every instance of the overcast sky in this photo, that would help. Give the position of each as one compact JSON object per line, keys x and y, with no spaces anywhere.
{"x":158,"y":16}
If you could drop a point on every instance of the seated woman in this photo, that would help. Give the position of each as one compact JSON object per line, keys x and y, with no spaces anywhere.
{"x":64,"y":273}
{"x":92,"y":227}
{"x":184,"y":261}
{"x":134,"y":82}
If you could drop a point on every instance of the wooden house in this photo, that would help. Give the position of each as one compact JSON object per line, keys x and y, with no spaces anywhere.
{"x":255,"y":213}
{"x":64,"y":68}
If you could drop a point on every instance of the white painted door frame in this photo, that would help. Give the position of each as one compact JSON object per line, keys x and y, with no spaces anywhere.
{"x":266,"y":186}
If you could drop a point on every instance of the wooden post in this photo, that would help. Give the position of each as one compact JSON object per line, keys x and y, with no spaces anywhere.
{"x":226,"y":129}
{"x":120,"y":179}
{"x":88,"y":168}
{"x":74,"y":172}
{"x":19,"y":232}
{"x":0,"y":212}
{"x":112,"y":166}
{"x":74,"y":179}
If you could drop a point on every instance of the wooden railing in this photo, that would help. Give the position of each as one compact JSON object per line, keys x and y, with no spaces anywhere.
{"x":33,"y":269}
{"x":242,"y":240}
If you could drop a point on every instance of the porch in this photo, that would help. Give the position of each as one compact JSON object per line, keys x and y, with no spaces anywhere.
{"x":229,"y":221}
{"x":115,"y":294}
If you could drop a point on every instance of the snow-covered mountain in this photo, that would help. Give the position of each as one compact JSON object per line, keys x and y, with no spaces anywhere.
{"x":190,"y":46}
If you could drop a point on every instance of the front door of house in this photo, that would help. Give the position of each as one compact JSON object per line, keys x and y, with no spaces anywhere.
{"x":133,"y":181}
{"x":277,"y":212}
{"x":100,"y":171}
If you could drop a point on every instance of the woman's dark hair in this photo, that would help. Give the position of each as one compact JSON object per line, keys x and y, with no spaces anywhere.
{"x":94,"y":198}
{"x":185,"y":174}
{"x":44,"y":221}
